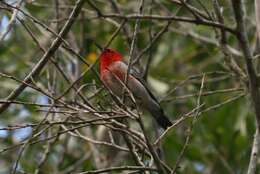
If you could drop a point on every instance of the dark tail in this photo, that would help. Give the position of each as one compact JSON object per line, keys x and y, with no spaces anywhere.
{"x":163,"y":121}
{"x":160,"y":117}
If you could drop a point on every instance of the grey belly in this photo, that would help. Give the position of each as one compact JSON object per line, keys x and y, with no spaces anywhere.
{"x":117,"y":88}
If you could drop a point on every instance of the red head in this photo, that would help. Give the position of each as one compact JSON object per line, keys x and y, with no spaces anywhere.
{"x":107,"y":57}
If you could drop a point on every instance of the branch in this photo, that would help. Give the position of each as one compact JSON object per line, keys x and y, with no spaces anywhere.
{"x":45,"y":58}
{"x":11,"y":22}
{"x":187,"y":141}
{"x":169,"y":18}
{"x":122,"y":168}
{"x":254,"y":154}
{"x":253,"y":81}
{"x":244,"y":44}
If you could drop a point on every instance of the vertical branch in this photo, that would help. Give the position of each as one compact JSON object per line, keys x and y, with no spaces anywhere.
{"x":244,"y":44}
{"x":257,"y":14}
{"x":150,"y":56}
{"x":133,"y":44}
{"x":228,"y":56}
{"x":159,"y":165}
{"x":257,"y":44}
{"x":254,"y":154}
{"x":253,"y":81}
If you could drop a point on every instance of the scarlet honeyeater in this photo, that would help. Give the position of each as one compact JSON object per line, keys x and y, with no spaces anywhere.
{"x":113,"y":72}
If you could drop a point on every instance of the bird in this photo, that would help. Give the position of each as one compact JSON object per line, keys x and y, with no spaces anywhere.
{"x":113,"y":72}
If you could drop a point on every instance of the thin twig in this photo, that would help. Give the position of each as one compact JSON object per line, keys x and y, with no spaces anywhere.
{"x":254,"y":154}
{"x":11,"y":22}
{"x":45,"y":58}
